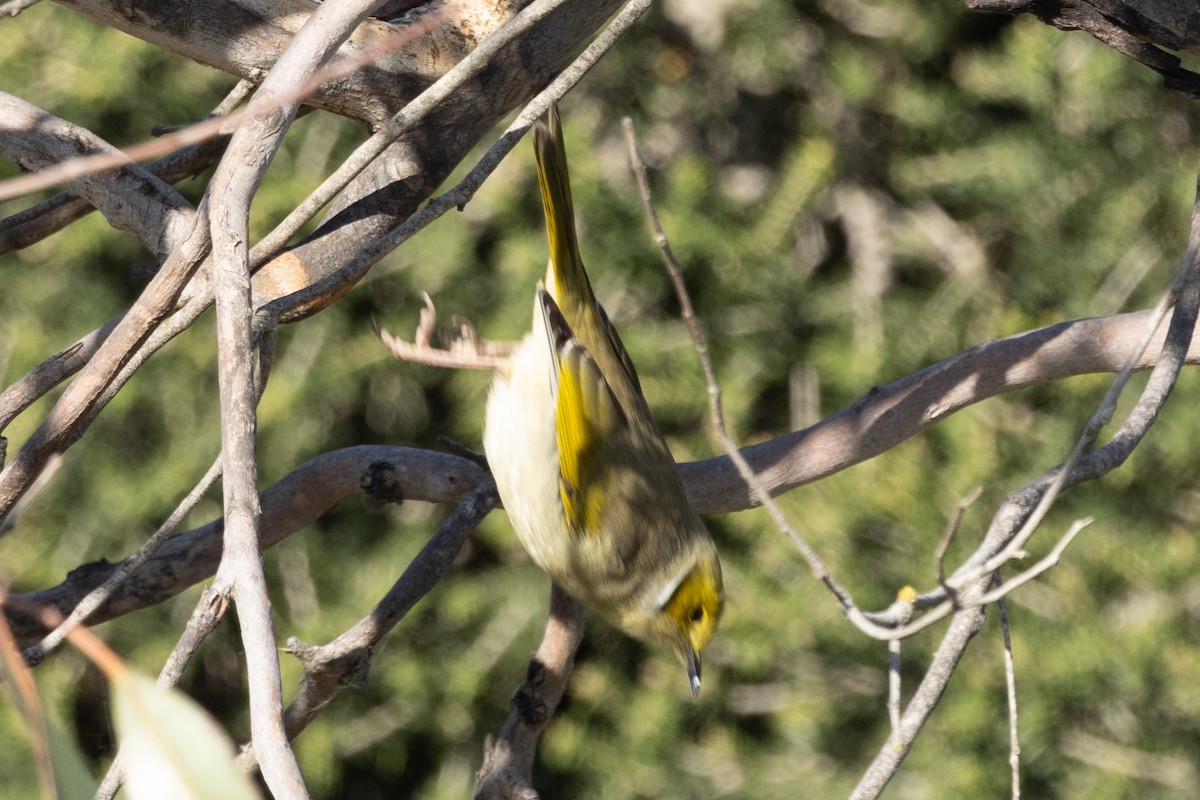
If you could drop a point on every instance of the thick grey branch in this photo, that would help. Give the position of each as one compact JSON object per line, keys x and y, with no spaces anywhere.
{"x":887,"y":415}
{"x":131,"y":198}
{"x":390,"y":474}
{"x":51,"y":215}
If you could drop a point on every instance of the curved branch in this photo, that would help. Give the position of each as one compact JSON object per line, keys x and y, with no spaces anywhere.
{"x":51,"y":215}
{"x":130,"y":197}
{"x":390,"y":474}
{"x":886,"y":416}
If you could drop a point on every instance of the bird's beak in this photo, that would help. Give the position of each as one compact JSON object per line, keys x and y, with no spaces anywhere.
{"x":693,"y":667}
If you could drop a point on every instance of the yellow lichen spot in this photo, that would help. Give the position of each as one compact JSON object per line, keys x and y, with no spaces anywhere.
{"x":907,"y":594}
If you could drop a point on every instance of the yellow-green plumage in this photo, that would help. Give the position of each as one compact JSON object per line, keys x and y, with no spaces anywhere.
{"x":586,"y":477}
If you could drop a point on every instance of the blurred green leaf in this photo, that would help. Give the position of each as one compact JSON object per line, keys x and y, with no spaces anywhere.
{"x":172,"y":747}
{"x":72,"y":779}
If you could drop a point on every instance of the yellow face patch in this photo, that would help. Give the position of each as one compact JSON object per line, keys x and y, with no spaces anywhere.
{"x":697,"y":603}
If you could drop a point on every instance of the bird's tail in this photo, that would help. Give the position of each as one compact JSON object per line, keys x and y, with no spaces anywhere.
{"x":566,"y":279}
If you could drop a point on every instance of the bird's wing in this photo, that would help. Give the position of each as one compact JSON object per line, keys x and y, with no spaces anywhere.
{"x":588,"y":419}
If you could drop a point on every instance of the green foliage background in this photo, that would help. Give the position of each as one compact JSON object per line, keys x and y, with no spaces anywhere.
{"x":1021,"y":176}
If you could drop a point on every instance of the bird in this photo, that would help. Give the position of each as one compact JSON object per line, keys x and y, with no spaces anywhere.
{"x":585,"y":476}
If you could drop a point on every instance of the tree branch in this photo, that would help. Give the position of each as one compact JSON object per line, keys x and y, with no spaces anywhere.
{"x":40,"y":221}
{"x":241,"y":571}
{"x":887,"y":415}
{"x":131,"y":198}
{"x":1131,"y":28}
{"x":508,"y":758}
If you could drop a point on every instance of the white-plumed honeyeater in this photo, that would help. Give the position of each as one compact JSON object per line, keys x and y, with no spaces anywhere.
{"x":585,"y":476}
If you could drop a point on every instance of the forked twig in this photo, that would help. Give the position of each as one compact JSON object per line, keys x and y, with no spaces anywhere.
{"x":461,"y":350}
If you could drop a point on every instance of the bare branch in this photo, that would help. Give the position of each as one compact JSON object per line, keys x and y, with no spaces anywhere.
{"x":55,"y":213}
{"x":241,"y":571}
{"x":1010,"y":685}
{"x":887,"y":415}
{"x":80,"y":166}
{"x":389,"y":474}
{"x":347,"y":659}
{"x":43,"y":480}
{"x":131,"y":198}
{"x":80,"y":402}
{"x":893,"y":702}
{"x":1006,"y":588}
{"x":1033,"y":357}
{"x":328,"y":250}
{"x":508,"y":758}
{"x":939,"y":554}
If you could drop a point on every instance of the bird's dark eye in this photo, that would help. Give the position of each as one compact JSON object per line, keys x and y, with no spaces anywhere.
{"x":697,"y":614}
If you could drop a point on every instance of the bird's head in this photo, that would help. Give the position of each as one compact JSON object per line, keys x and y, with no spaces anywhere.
{"x":684,"y":623}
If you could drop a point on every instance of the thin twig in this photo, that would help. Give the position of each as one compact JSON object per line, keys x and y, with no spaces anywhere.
{"x":43,"y":480}
{"x":1049,"y":560}
{"x":1011,"y":520}
{"x":939,"y":555}
{"x":1010,"y":685}
{"x":687,"y":312}
{"x":893,"y":702}
{"x":100,"y":595}
{"x":240,"y":91}
{"x":206,"y":615}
